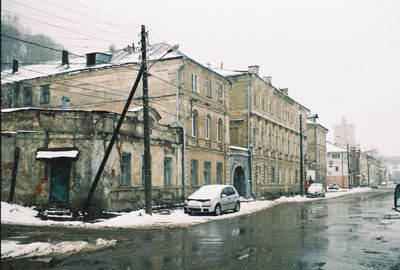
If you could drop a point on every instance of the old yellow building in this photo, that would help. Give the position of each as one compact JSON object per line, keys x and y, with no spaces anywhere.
{"x":187,"y":96}
{"x":264,"y":128}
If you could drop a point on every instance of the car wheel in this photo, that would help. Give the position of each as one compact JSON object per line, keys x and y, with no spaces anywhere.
{"x":237,"y":207}
{"x":217,"y":210}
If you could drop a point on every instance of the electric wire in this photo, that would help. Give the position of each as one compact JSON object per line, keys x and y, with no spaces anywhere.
{"x":69,"y":20}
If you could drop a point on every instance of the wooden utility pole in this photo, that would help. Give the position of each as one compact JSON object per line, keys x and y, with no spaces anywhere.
{"x":301,"y":157}
{"x":146,"y":128}
{"x":111,"y":144}
{"x":14,"y":175}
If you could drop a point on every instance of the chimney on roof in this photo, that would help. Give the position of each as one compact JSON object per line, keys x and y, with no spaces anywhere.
{"x":65,"y":58}
{"x":97,"y":58}
{"x":285,"y":90}
{"x":268,"y":79}
{"x":254,"y":69}
{"x":15,"y":66}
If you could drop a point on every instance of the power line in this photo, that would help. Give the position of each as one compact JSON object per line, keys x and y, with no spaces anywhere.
{"x":68,"y":19}
{"x":62,"y":90}
{"x":32,"y":43}
{"x":60,"y":27}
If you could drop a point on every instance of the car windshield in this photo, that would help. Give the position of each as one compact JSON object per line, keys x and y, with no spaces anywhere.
{"x":207,"y":192}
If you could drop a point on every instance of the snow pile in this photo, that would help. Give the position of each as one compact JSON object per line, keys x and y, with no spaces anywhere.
{"x":11,"y":249}
{"x":15,"y":214}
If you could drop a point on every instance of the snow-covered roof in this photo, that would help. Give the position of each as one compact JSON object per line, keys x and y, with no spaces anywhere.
{"x":77,"y":64}
{"x":226,"y":72}
{"x":49,"y":154}
{"x":330,"y":147}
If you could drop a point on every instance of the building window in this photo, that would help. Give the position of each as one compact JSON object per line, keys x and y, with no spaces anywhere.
{"x":273,"y":174}
{"x":126,"y":168}
{"x":219,"y":130}
{"x":194,"y":83}
{"x":335,"y":155}
{"x":262,"y":139}
{"x":258,"y":174}
{"x":27,"y":96}
{"x":265,"y":173}
{"x":220,"y":96}
{"x":45,"y":94}
{"x":195,"y":122}
{"x":193,"y":172}
{"x":167,"y":171}
{"x":219,"y":172}
{"x":208,"y":88}
{"x":208,"y":127}
{"x":207,"y":172}
{"x":336,"y":168}
{"x":254,"y":136}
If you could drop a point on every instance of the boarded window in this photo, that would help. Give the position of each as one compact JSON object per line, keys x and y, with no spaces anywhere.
{"x":219,"y":172}
{"x":207,"y":172}
{"x":193,"y":172}
{"x":167,"y":171}
{"x":126,"y":168}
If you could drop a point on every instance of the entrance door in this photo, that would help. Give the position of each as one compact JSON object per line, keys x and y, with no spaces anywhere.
{"x":239,"y":181}
{"x":59,"y":184}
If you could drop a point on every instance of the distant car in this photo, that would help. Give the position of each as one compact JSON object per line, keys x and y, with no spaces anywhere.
{"x":212,"y":199}
{"x":383,"y":184}
{"x":374,"y":185}
{"x":316,"y":190}
{"x":333,"y":186}
{"x":397,"y":197}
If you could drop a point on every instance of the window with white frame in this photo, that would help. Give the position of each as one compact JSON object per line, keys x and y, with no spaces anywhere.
{"x":195,"y":123}
{"x":194,"y":83}
{"x":219,"y":130}
{"x":220,"y":95}
{"x":208,"y":88}
{"x":208,"y":127}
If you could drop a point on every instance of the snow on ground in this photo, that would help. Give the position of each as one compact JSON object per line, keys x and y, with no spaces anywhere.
{"x":16,"y":214}
{"x":12,"y":249}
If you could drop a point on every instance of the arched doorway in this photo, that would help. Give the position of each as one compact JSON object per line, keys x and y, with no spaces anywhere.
{"x":239,"y":181}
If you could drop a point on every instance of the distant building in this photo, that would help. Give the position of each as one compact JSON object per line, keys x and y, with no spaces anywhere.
{"x":337,"y":166}
{"x":316,"y":150}
{"x":345,"y":134}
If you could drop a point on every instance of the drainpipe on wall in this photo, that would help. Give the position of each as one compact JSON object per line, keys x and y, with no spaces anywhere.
{"x":183,"y":131}
{"x":250,"y":136}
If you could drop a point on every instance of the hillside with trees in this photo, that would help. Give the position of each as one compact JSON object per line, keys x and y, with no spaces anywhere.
{"x":11,"y":48}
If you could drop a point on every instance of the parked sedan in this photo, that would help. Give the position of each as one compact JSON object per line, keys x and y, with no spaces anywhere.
{"x":316,"y":190}
{"x":333,"y":186}
{"x":213,"y":199}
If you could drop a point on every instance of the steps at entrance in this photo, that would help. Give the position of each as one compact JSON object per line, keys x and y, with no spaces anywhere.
{"x":59,"y":214}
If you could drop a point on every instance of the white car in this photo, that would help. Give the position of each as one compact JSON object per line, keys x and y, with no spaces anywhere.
{"x":212,"y":199}
{"x":316,"y":190}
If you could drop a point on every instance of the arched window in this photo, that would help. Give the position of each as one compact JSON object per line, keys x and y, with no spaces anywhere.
{"x":195,"y":123}
{"x":219,"y":130}
{"x":208,"y":127}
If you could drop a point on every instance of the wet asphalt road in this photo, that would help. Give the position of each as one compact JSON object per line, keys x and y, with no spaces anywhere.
{"x":358,"y":231}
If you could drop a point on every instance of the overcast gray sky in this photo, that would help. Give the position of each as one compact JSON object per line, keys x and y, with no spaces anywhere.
{"x":339,"y":58}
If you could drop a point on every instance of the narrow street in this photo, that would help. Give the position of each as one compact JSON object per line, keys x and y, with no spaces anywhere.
{"x":357,"y":231}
